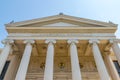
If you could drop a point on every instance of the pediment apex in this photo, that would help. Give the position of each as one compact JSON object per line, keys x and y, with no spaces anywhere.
{"x":61,"y":17}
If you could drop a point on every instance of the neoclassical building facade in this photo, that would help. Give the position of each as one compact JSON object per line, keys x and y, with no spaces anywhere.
{"x":60,"y":47}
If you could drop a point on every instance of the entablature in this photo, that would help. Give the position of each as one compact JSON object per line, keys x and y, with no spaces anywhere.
{"x":61,"y":36}
{"x":61,"y":29}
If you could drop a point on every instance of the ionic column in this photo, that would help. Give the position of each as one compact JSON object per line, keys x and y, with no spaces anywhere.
{"x":76,"y":73}
{"x":4,"y":54}
{"x":99,"y":61}
{"x":48,"y":74}
{"x":21,"y":74}
{"x":116,"y":49}
{"x":111,"y":66}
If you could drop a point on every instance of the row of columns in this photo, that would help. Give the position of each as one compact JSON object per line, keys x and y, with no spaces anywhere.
{"x":48,"y":74}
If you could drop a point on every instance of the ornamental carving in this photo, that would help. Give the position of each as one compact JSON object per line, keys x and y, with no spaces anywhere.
{"x":42,"y":66}
{"x":63,"y":64}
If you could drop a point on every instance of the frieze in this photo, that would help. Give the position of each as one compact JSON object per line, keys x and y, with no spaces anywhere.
{"x":61,"y":34}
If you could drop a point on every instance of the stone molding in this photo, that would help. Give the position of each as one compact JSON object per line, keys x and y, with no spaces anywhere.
{"x":42,"y":36}
{"x":61,"y":34}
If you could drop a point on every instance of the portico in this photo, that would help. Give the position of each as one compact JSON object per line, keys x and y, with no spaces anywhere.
{"x":61,"y":48}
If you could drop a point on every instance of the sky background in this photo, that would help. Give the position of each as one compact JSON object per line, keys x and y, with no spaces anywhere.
{"x":20,"y":10}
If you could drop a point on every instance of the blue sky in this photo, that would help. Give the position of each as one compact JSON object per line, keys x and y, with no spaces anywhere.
{"x":20,"y":10}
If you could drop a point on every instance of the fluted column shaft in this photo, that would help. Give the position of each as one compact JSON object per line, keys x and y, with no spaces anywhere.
{"x":116,"y":50}
{"x":4,"y":54}
{"x":21,"y":74}
{"x":99,"y":61}
{"x":112,"y":68}
{"x":76,"y":73}
{"x":48,"y":74}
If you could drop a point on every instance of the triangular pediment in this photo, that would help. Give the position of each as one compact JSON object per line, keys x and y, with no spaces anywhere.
{"x":60,"y":20}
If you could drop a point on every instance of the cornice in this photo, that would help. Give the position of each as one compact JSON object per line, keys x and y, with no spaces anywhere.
{"x":61,"y":29}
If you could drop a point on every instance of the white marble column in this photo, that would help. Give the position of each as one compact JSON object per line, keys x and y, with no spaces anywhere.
{"x":48,"y":74}
{"x":4,"y":54}
{"x":111,"y":66}
{"x":116,"y":49}
{"x":21,"y":74}
{"x":76,"y":73}
{"x":99,"y":61}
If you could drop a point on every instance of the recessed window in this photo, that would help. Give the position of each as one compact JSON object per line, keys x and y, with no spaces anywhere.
{"x":4,"y":70}
{"x":117,"y":66}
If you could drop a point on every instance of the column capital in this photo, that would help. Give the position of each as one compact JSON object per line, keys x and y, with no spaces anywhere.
{"x":114,"y":40}
{"x":72,"y":41}
{"x":8,"y":41}
{"x":29,"y":41}
{"x":50,"y":41}
{"x":107,"y":53}
{"x":94,"y":41}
